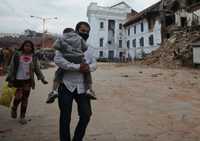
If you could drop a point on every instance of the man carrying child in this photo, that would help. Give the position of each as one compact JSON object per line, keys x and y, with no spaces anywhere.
{"x":76,"y":82}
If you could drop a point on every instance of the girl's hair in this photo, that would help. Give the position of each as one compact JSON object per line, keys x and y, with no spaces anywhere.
{"x":81,"y":23}
{"x":27,"y":42}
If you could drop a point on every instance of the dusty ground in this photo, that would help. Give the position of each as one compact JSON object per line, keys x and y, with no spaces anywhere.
{"x":135,"y":103}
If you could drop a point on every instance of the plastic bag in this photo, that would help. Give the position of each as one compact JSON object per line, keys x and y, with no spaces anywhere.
{"x":7,"y":95}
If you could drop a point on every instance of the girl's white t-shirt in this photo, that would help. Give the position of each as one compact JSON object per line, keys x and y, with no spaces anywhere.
{"x":23,"y":72}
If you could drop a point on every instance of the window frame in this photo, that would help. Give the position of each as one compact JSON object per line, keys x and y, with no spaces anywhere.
{"x":135,"y":29}
{"x":100,"y":54}
{"x":120,"y":26}
{"x":142,"y":26}
{"x":134,"y":43}
{"x":101,"y":25}
{"x":142,"y":42}
{"x":128,"y":44}
{"x":101,"y":42}
{"x":120,"y":43}
{"x":151,"y":40}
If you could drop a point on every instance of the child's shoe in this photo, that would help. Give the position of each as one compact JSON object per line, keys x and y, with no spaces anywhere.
{"x":51,"y":97}
{"x":91,"y":94}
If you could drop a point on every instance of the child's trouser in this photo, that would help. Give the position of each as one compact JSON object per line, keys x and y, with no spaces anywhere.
{"x":21,"y":96}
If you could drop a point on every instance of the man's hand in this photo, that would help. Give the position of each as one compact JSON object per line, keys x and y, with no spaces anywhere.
{"x":44,"y":81}
{"x":84,"y":68}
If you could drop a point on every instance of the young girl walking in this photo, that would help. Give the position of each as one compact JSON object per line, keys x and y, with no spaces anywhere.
{"x":21,"y":75}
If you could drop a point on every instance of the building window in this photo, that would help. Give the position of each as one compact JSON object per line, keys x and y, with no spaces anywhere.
{"x":120,"y":43}
{"x":142,"y":41}
{"x":142,"y":27}
{"x":135,"y":29}
{"x":151,"y":40}
{"x":128,"y":44}
{"x":120,"y":26}
{"x":134,"y":43}
{"x":129,"y":31}
{"x":101,"y":54}
{"x":101,"y":25}
{"x":101,"y":42}
{"x":121,"y":54}
{"x":111,"y":54}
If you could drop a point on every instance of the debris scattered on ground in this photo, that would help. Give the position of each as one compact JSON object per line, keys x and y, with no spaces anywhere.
{"x":125,"y":75}
{"x":174,"y":52}
{"x":195,"y":77}
{"x":156,"y":75}
{"x":170,"y":88}
{"x":140,"y":72}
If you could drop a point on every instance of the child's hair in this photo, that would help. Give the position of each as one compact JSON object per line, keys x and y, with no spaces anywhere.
{"x":67,"y":30}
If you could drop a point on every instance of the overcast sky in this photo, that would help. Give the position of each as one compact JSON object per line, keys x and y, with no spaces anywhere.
{"x":15,"y":14}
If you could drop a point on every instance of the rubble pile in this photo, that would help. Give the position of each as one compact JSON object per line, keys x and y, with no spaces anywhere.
{"x":174,"y":52}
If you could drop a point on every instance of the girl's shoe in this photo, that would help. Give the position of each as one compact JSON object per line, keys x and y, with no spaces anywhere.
{"x":23,"y":121}
{"x":13,"y":113}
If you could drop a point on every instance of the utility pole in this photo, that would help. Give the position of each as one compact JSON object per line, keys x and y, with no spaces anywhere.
{"x":44,"y":20}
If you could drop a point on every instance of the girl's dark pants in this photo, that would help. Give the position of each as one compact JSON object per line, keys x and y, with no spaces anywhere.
{"x":65,"y":100}
{"x":21,"y":96}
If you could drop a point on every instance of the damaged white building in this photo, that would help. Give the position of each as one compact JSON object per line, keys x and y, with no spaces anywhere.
{"x":107,"y":32}
{"x":143,"y":31}
{"x":177,"y":15}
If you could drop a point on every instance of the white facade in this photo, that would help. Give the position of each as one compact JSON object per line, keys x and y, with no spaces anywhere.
{"x":107,"y":29}
{"x":137,"y":49}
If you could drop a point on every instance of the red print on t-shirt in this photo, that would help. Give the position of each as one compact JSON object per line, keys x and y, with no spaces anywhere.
{"x":26,"y":58}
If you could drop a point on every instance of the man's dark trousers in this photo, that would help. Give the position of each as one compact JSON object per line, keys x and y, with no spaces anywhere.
{"x":65,"y":100}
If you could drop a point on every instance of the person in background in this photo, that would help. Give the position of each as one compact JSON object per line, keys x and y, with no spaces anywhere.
{"x":1,"y":62}
{"x":5,"y":58}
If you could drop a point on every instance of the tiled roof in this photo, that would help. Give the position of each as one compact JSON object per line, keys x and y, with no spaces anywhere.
{"x":142,"y":14}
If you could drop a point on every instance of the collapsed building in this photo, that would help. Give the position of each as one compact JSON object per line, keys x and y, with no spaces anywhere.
{"x":119,"y":31}
{"x":180,"y":26}
{"x":150,"y":28}
{"x":177,"y":15}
